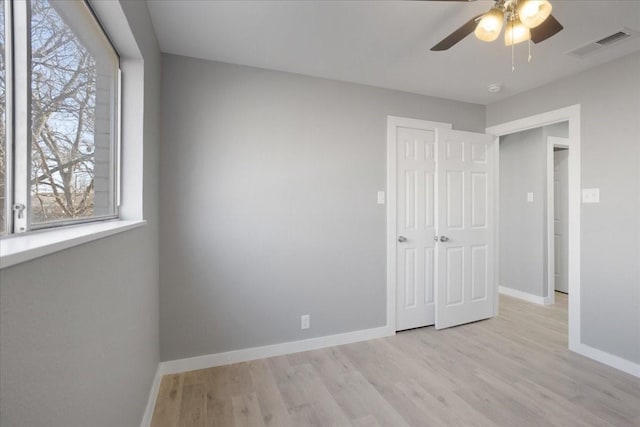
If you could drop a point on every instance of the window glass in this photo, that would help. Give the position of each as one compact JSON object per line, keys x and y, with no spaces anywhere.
{"x":74,"y":73}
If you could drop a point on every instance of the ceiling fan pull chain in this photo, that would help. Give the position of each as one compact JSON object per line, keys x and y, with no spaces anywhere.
{"x":529,"y":60}
{"x":513,"y":58}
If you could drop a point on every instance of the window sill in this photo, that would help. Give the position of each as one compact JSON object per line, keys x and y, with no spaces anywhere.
{"x":20,"y":248}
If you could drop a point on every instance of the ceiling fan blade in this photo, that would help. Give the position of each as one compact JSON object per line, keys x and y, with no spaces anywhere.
{"x":458,"y":34}
{"x":548,"y":28}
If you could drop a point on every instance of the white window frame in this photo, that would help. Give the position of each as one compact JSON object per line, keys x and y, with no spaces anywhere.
{"x":8,"y":61}
{"x":20,"y":247}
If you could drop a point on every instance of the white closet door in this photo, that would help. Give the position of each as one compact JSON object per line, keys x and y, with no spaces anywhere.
{"x":561,"y":207}
{"x":465,"y":289}
{"x":416,"y":164}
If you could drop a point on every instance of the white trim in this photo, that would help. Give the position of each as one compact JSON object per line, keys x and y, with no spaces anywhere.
{"x":551,"y":249}
{"x":219,"y":359}
{"x":24,"y":247}
{"x":116,"y":25}
{"x":398,"y":121}
{"x":552,"y":142}
{"x":393,"y":122}
{"x":536,"y":121}
{"x":119,"y":141}
{"x":572,"y":115}
{"x":8,"y":119}
{"x":496,"y":224}
{"x":22,"y":117}
{"x":151,"y":401}
{"x":521,"y":295}
{"x":609,"y":359}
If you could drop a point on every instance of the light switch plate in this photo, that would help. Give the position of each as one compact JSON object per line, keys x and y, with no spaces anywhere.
{"x":530,"y":196}
{"x":381,"y":199}
{"x":590,"y":195}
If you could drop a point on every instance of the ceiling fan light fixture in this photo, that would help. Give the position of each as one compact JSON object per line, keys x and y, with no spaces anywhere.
{"x":516,"y":32}
{"x":533,"y":12}
{"x":490,"y":25}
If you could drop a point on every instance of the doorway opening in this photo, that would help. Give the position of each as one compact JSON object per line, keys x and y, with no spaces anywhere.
{"x":533,"y":230}
{"x":536,"y":199}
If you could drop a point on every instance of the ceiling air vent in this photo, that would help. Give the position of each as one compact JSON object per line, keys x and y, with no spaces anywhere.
{"x":620,"y":35}
{"x":610,"y":40}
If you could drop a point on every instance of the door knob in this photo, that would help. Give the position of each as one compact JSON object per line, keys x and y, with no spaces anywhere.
{"x":436,"y":238}
{"x":402,"y":239}
{"x":444,"y":239}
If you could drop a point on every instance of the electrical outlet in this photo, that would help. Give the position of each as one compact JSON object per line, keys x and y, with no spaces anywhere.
{"x":305,"y":321}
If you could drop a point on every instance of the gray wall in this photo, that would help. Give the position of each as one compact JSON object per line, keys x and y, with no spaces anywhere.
{"x":557,"y":129}
{"x":80,"y":342}
{"x":268,"y":203}
{"x":609,"y":96}
{"x":522,"y":228}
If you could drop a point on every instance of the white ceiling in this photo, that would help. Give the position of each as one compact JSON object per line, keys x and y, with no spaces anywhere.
{"x":386,"y":43}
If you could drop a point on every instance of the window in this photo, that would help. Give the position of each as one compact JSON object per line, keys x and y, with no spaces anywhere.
{"x":59,"y":158}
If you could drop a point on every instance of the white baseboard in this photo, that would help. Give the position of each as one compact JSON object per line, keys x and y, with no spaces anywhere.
{"x":550,"y":300}
{"x":609,"y":359}
{"x":218,"y":359}
{"x":522,"y":295}
{"x":151,"y":402}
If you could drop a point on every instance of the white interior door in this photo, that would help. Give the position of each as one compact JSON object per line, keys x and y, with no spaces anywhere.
{"x":560,"y":218}
{"x":416,"y":165}
{"x":465,"y":287}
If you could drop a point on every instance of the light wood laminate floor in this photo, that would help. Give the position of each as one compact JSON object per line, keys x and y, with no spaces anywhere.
{"x":513,"y":370}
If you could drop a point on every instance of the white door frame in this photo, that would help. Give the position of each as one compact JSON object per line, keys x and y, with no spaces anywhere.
{"x":552,"y":142}
{"x":572,"y":115}
{"x":393,"y":122}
